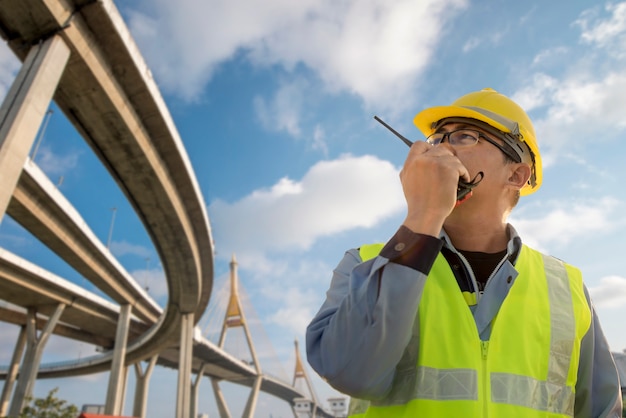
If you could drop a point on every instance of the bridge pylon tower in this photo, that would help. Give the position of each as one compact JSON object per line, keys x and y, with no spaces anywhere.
{"x":235,"y":318}
{"x":301,"y":374}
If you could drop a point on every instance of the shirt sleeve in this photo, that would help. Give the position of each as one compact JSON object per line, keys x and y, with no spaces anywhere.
{"x":598,"y":391}
{"x":410,"y":249}
{"x":359,"y":334}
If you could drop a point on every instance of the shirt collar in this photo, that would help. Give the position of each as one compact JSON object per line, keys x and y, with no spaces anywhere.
{"x":513,"y":246}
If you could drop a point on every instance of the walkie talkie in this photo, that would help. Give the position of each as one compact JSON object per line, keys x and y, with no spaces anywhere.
{"x":463,"y":188}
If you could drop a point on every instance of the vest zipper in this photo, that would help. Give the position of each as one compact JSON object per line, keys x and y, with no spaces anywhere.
{"x":484,"y":346}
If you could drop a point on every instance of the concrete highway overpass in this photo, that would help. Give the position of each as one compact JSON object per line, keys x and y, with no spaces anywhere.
{"x":80,"y":54}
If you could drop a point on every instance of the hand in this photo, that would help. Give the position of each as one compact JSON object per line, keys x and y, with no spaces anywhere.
{"x":429,"y":180}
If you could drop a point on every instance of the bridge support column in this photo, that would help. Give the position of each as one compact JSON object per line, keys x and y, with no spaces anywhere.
{"x":18,"y":351}
{"x":185,"y":360}
{"x":32,"y":357}
{"x":248,"y":412}
{"x":141,"y":387}
{"x":125,"y":372}
{"x":24,"y":108}
{"x":219,"y":399}
{"x":194,"y":392}
{"x":114,"y":400}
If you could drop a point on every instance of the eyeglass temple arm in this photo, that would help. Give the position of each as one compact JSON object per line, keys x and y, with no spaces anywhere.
{"x":396,"y":133}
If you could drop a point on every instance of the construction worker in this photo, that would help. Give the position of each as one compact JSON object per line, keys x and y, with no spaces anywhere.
{"x":454,"y":316}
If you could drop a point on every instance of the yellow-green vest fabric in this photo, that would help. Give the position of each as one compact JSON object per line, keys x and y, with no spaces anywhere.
{"x":529,"y":366}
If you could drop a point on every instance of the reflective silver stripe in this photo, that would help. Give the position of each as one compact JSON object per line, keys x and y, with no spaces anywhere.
{"x":552,"y":395}
{"x":434,"y":384}
{"x":509,"y":124}
{"x":562,"y":322}
{"x":404,"y":379}
{"x":447,"y":384}
{"x":531,"y":393}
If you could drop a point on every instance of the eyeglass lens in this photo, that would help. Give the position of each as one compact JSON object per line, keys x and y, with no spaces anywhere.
{"x":459,"y":137}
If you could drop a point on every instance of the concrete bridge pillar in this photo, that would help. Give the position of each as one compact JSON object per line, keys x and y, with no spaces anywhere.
{"x":12,"y":372}
{"x":141,"y":387}
{"x":183,"y":399}
{"x":248,"y":412}
{"x":222,"y":407}
{"x":32,"y":357}
{"x":194,"y":391}
{"x":116,"y":388}
{"x":24,"y":108}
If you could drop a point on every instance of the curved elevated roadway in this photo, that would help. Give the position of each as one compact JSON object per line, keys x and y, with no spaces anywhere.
{"x":107,"y":92}
{"x":93,"y":319}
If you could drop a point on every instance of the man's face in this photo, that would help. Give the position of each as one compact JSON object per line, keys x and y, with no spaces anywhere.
{"x":472,"y":146}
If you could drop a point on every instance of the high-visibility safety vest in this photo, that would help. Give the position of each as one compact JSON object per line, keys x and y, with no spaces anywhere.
{"x":528,"y":368}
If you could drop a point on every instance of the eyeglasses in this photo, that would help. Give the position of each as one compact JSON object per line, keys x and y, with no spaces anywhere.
{"x":468,"y":137}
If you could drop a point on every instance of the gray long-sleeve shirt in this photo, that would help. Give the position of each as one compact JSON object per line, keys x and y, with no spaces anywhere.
{"x":359,"y":334}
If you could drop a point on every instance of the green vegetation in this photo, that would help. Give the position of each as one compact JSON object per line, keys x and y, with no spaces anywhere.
{"x":49,"y":407}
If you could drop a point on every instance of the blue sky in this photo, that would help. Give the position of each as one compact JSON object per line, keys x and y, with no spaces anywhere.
{"x":274,"y":102}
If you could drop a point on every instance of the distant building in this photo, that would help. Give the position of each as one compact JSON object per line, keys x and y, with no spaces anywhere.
{"x":303,"y":407}
{"x":338,"y":406}
{"x":93,"y":409}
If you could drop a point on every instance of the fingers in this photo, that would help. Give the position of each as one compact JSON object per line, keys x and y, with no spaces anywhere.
{"x":429,"y":178}
{"x":441,"y":159}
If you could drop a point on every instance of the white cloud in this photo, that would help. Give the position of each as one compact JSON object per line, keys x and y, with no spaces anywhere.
{"x":593,"y":100}
{"x":122,"y":248}
{"x":54,"y":164}
{"x":297,"y":310}
{"x":565,"y":221}
{"x":578,"y":107}
{"x":474,"y":42}
{"x":471,"y":44}
{"x":319,"y":142}
{"x":295,"y":291}
{"x":609,"y":33}
{"x":153,"y":281}
{"x":283,"y":112}
{"x":537,"y":94}
{"x":550,"y":55}
{"x":332,"y":197}
{"x":589,"y":96}
{"x":375,"y":49}
{"x":610,"y":293}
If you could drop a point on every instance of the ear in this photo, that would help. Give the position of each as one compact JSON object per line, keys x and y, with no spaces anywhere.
{"x":519,"y":175}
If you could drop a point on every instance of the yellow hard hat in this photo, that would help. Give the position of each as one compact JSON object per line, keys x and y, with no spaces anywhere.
{"x":498,"y":111}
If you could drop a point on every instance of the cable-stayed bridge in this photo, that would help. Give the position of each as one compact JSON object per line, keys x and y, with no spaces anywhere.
{"x":80,"y":54}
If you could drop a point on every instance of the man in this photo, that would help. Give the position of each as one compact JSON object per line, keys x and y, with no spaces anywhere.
{"x":454,"y":316}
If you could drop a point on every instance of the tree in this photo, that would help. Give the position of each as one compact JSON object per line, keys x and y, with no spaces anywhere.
{"x":49,"y":407}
